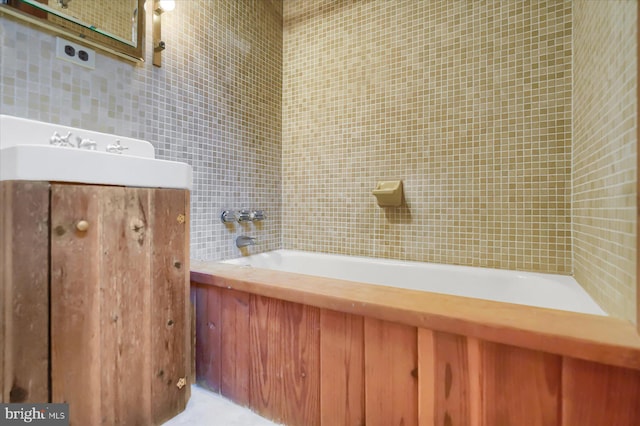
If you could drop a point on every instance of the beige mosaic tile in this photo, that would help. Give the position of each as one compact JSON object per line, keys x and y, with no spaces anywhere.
{"x":604,"y":152}
{"x":469,"y":103}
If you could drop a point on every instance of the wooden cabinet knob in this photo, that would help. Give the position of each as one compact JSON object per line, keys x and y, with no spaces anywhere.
{"x":82,"y":225}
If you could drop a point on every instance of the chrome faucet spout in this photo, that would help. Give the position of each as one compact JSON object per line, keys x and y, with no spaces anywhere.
{"x":244,"y":241}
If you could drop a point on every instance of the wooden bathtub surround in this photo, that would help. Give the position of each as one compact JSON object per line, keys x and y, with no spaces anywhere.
{"x":341,"y":366}
{"x":594,"y":338}
{"x":116,"y":308}
{"x":329,"y":352}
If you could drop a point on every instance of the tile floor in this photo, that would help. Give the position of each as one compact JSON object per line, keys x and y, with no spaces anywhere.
{"x":208,"y":409}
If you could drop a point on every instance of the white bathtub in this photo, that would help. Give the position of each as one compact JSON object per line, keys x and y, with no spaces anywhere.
{"x":525,"y":288}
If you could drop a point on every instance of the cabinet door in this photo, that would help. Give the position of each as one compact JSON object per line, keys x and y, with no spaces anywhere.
{"x":24,"y":280}
{"x":116,"y":302}
{"x":76,"y":301}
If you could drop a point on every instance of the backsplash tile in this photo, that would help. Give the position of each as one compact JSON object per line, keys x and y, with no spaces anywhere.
{"x":215,"y":104}
{"x":469,"y":103}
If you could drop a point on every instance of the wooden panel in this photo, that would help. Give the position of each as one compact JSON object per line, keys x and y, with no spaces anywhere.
{"x":427,"y":377}
{"x":300,"y":348}
{"x":169,"y":301}
{"x":192,"y":299}
{"x":449,"y":388}
{"x":75,"y":302}
{"x":24,"y":273}
{"x":234,"y":347}
{"x":341,"y":369}
{"x":520,"y":386}
{"x":452,"y":380}
{"x":474,"y":363}
{"x":125,"y":307}
{"x":189,"y":314}
{"x":208,"y":335}
{"x":265,"y":392}
{"x":5,"y":249}
{"x":595,"y":338}
{"x":112,"y":204}
{"x":391,"y":391}
{"x":285,"y":366}
{"x":596,"y":394}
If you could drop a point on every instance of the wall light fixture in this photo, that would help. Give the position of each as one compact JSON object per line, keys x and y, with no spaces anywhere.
{"x":159,"y":7}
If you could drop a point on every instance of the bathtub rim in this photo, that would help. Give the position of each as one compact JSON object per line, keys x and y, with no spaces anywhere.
{"x":596,"y":338}
{"x":560,"y":279}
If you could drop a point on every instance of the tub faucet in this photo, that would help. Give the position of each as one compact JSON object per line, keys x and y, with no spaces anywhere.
{"x":244,"y":241}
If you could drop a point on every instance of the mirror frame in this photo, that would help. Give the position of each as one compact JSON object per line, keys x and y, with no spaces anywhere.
{"x":84,"y":34}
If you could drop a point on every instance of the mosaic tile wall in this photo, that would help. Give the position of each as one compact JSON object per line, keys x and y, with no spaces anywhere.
{"x":469,"y":103}
{"x":604,"y":152}
{"x":215,"y":104}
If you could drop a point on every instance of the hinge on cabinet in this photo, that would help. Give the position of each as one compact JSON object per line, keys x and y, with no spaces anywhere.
{"x":181,"y":382}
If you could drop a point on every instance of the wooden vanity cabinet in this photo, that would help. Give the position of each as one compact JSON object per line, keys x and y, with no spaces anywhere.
{"x":95,"y":300}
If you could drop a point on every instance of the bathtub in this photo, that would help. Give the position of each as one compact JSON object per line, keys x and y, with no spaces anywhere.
{"x":525,"y":288}
{"x":314,"y":339}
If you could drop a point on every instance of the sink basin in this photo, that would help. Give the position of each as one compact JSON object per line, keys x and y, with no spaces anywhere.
{"x":26,"y":154}
{"x":50,"y":163}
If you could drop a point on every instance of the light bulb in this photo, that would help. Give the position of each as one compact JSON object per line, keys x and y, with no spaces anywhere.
{"x":167,"y":5}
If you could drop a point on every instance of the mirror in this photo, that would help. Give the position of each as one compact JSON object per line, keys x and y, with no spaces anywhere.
{"x":116,"y":26}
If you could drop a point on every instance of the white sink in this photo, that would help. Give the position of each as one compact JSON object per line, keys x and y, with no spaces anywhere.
{"x":26,"y":154}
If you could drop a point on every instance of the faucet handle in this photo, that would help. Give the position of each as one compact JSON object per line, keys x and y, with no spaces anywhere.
{"x":227,"y":216}
{"x":64,"y":140}
{"x":116,"y":148}
{"x":54,"y":139}
{"x":244,"y":215}
{"x":58,"y":140}
{"x":258,"y":215}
